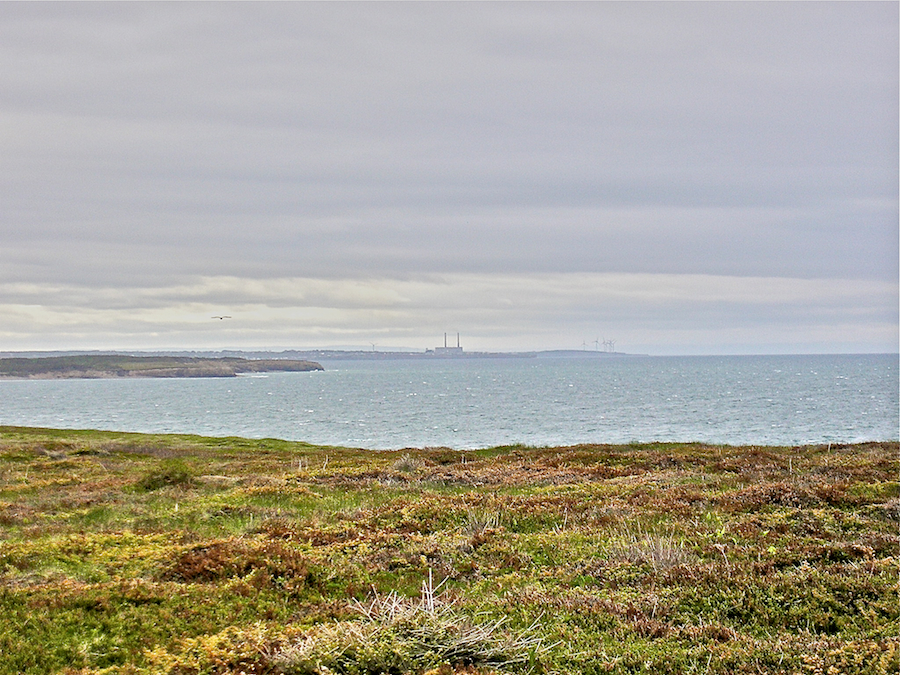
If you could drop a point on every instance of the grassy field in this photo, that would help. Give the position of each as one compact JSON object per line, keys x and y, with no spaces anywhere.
{"x":128,"y":553}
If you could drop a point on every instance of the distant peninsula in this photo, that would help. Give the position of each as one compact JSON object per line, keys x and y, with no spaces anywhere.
{"x":96,"y":366}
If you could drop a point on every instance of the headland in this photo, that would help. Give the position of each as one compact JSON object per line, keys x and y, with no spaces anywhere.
{"x":95,"y":366}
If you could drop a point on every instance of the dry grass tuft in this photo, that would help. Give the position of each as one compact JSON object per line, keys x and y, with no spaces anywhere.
{"x":636,"y":547}
{"x":408,"y":464}
{"x":399,"y":635}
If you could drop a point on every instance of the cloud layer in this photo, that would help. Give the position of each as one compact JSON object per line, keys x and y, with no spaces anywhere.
{"x":370,"y":172}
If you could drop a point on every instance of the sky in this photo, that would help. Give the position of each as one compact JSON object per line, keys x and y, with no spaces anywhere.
{"x":682,"y":178}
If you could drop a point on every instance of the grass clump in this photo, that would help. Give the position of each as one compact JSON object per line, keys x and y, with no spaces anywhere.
{"x":399,"y":635}
{"x":408,"y":464}
{"x":636,"y":547}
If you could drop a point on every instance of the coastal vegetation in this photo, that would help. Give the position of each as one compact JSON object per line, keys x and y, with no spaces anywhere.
{"x":121,"y":365}
{"x":171,"y":554}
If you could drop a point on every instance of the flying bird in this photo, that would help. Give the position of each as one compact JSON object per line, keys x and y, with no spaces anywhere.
{"x":221,"y":317}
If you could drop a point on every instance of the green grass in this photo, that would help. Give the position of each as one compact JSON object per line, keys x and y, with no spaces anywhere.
{"x":129,"y":553}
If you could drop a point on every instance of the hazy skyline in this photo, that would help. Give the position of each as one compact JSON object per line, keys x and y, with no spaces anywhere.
{"x":679,"y":177}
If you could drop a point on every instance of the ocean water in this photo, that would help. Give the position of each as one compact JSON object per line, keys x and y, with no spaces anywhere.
{"x":474,"y":403}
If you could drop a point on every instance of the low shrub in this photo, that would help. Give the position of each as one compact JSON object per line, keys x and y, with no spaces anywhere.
{"x":170,"y":473}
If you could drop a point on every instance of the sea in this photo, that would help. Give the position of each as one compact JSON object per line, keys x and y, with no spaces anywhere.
{"x":470,"y":403}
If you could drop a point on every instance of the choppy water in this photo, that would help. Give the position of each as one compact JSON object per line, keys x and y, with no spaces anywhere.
{"x":773,"y":400}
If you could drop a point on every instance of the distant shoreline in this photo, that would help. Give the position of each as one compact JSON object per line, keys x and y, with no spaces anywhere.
{"x":126,"y":366}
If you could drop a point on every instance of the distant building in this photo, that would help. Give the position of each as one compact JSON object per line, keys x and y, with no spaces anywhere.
{"x":449,"y":351}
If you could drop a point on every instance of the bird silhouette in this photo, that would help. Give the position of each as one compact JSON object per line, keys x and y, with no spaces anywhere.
{"x":221,"y":317}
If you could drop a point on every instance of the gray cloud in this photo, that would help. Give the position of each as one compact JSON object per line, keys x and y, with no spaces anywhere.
{"x":152,"y":145}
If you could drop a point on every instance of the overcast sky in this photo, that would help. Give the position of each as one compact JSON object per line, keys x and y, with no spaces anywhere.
{"x":681,"y":178}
